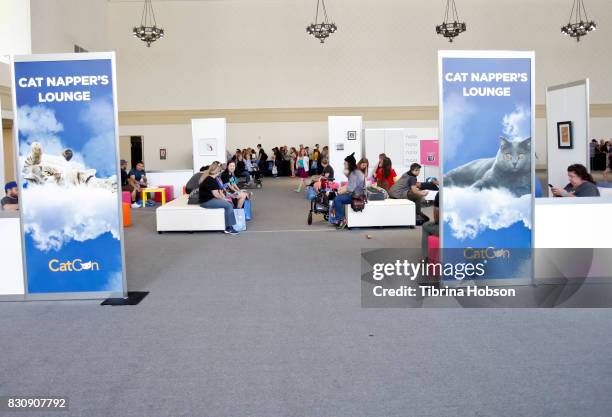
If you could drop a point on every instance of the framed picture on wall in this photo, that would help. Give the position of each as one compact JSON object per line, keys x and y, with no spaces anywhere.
{"x":351,"y":135}
{"x":339,"y":146}
{"x":208,"y":147}
{"x":565,"y":138}
{"x":162,"y":154}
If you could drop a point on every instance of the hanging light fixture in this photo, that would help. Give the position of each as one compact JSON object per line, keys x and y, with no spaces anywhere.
{"x":148,"y":31}
{"x":323,"y":28}
{"x":451,"y":27}
{"x":579,"y":24}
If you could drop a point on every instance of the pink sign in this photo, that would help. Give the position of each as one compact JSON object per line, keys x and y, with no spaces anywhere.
{"x":429,"y":153}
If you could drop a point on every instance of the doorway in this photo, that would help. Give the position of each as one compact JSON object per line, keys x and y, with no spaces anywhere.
{"x":136,"y":150}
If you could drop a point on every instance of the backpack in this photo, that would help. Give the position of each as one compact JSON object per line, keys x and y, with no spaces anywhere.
{"x":194,"y":197}
{"x":376,"y":193}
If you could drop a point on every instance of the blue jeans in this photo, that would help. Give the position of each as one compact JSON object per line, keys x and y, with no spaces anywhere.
{"x":339,"y":202}
{"x":228,"y":207}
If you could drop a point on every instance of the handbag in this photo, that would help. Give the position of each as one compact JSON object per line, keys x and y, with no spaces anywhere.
{"x":358,"y":202}
{"x":376,"y":193}
{"x":240,"y":225}
{"x":248,"y":215}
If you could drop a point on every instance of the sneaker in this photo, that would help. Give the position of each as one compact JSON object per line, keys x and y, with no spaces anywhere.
{"x":230,"y":231}
{"x":135,"y":205}
{"x":341,"y":225}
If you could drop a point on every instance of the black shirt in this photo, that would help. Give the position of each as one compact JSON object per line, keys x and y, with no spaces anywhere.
{"x":240,"y":168}
{"x":206,"y":188}
{"x":8,"y":200}
{"x":124,"y":178}
{"x":328,"y":170}
{"x":437,"y":200}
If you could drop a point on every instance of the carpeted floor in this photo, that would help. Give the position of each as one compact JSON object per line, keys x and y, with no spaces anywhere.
{"x":269,"y":323}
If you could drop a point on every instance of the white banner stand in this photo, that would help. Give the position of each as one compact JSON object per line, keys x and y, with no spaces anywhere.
{"x":209,"y":141}
{"x":345,"y":134}
{"x":567,"y":103}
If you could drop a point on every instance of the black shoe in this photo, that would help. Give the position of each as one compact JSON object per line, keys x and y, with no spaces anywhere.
{"x":230,"y":231}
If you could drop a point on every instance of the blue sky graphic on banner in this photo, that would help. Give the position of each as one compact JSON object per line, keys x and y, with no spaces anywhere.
{"x":487,"y":195}
{"x":67,"y":166}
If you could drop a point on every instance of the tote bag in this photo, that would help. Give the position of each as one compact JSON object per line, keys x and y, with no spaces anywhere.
{"x":240,"y":225}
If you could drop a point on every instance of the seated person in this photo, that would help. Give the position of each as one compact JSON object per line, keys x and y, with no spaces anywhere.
{"x":194,"y":181}
{"x":125,"y":185}
{"x":355,"y":186}
{"x":230,"y":182}
{"x":212,"y":196}
{"x":240,"y":170}
{"x":10,"y":202}
{"x":431,"y":228}
{"x":407,"y":186}
{"x":137,"y":180}
{"x":581,"y":183}
{"x":252,"y":168}
{"x":327,"y":174}
{"x":431,"y":184}
{"x":385,"y":175}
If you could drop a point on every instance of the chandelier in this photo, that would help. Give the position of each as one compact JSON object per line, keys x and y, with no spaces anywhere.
{"x":451,"y":27}
{"x":579,"y":24}
{"x":148,"y":31}
{"x":321,"y":29}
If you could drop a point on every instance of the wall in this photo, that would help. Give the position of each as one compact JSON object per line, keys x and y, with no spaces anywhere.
{"x":256,"y":54}
{"x":57,"y":25}
{"x":14,"y":28}
{"x":9,"y":165}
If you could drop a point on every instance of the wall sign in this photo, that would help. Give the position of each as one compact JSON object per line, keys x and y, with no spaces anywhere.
{"x":66,"y":124}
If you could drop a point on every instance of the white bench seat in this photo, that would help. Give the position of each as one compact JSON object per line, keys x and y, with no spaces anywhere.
{"x":178,"y":216}
{"x":383,"y":213}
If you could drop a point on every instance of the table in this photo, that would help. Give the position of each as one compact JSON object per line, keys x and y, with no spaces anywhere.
{"x":144,"y":192}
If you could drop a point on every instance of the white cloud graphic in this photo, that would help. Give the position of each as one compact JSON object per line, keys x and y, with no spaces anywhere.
{"x":457,"y":113}
{"x":100,"y":151}
{"x":54,"y":215}
{"x":517,"y":125}
{"x":468,"y":211}
{"x":114,"y":283}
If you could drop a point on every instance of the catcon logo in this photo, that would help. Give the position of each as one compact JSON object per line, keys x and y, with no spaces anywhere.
{"x":76,"y":265}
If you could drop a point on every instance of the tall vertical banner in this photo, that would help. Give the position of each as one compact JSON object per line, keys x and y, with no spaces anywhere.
{"x":487,"y":162}
{"x":67,"y":145}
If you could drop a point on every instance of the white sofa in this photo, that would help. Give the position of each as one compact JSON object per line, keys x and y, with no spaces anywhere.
{"x":387,"y":212}
{"x":178,"y":216}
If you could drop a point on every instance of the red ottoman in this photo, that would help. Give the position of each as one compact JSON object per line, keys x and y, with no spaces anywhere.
{"x":126,"y":197}
{"x":169,"y":193}
{"x":433,"y":249}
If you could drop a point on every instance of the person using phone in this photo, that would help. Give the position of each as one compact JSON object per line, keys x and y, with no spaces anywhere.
{"x":581,"y":184}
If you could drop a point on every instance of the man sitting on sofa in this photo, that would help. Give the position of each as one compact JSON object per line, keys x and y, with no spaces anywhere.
{"x":408,"y":187}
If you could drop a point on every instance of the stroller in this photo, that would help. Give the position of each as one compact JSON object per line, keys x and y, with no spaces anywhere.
{"x":321,"y":202}
{"x":256,"y":178}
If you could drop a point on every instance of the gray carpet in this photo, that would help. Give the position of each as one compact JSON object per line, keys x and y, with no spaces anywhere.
{"x":269,"y":323}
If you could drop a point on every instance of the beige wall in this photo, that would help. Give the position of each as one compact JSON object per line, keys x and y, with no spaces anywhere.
{"x":9,"y":164}
{"x":14,"y":28}
{"x":250,"y":54}
{"x":57,"y":25}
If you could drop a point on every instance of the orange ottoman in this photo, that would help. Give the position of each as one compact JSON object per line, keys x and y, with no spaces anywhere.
{"x":126,"y":215}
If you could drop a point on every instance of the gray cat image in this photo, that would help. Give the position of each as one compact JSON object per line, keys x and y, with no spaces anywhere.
{"x":510,"y":169}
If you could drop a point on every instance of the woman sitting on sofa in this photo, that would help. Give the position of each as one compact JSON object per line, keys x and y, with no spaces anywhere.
{"x":385,"y":176}
{"x":212,"y":196}
{"x":355,"y":186}
{"x":230,"y":182}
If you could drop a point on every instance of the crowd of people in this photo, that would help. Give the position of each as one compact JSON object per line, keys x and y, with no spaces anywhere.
{"x":601,"y":156}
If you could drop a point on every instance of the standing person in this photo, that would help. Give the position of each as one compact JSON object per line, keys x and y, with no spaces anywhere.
{"x":385,"y":175}
{"x":293,"y":156}
{"x":262,"y":159}
{"x":316,"y":159}
{"x":407,"y":186}
{"x":354,"y":187}
{"x":212,"y":196}
{"x":303,"y":162}
{"x":608,"y":152}
{"x":10,"y":201}
{"x":592,"y":152}
{"x":137,"y":180}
